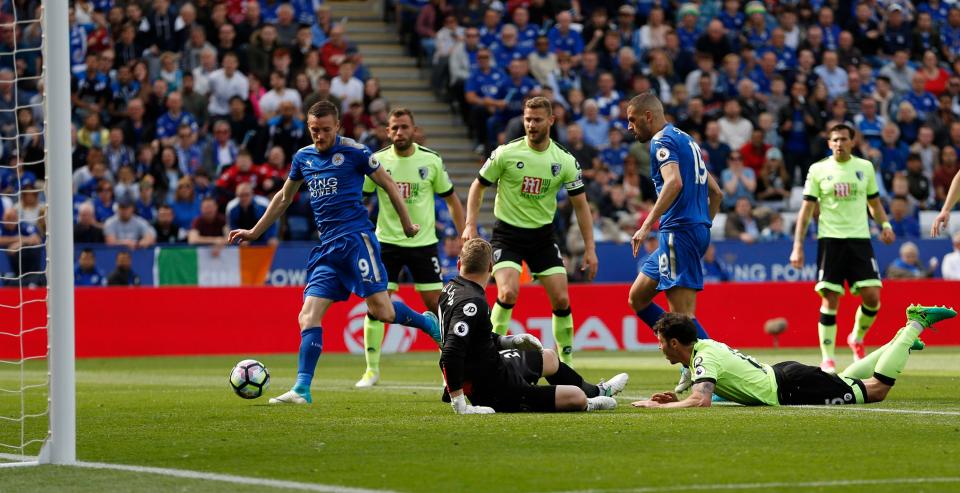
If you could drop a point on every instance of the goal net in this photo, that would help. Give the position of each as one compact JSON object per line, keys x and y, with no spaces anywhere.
{"x":36,"y":337}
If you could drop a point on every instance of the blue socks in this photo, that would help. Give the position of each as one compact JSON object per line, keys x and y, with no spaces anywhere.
{"x":652,"y":312}
{"x":406,"y":316}
{"x":311,"y":345}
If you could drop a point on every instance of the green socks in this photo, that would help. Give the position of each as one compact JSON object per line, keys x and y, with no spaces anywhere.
{"x":563,"y":334}
{"x":500,"y":317}
{"x":863,"y":369}
{"x":894,"y":358}
{"x":827,"y":329}
{"x":372,"y":339}
{"x":863,"y":320}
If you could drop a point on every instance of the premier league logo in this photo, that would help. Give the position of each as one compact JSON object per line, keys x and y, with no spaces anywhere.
{"x":555,"y":168}
{"x":337,"y":159}
{"x":424,"y":172}
{"x":496,"y":255}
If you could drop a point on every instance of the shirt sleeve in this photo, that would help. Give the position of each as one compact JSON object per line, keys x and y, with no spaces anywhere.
{"x":490,"y":172}
{"x":368,"y":185}
{"x":811,"y":189}
{"x":466,"y":321}
{"x":296,"y":168}
{"x":366,"y":163}
{"x":665,"y":151}
{"x":872,"y":189}
{"x":705,"y":367}
{"x":573,"y":177}
{"x":441,"y":180}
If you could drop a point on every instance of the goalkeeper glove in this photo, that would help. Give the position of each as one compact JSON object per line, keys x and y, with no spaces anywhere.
{"x":522,"y":342}
{"x":460,"y":406}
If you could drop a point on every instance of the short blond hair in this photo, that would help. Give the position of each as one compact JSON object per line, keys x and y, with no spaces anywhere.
{"x":539,"y":102}
{"x":476,"y":256}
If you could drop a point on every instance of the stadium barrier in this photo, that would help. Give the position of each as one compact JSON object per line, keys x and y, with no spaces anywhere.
{"x":254,"y":321}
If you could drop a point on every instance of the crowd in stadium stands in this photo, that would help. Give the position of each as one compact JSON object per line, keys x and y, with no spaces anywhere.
{"x":186,"y":114}
{"x":756,"y":83}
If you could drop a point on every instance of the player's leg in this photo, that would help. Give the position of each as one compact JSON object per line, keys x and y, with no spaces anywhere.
{"x":831,"y":259}
{"x":424,"y":265}
{"x":827,"y":328}
{"x":863,"y":274}
{"x":507,"y":276}
{"x":558,"y":373}
{"x":640,"y":297}
{"x":381,"y":308}
{"x":684,"y":300}
{"x":891,"y":359}
{"x":557,"y":292}
{"x":683,"y":276}
{"x":373,"y":330}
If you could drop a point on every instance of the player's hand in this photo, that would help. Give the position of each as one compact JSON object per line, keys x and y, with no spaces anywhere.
{"x":645,"y":404}
{"x":411,"y":230}
{"x":940,"y":224}
{"x":469,"y":233}
{"x":796,"y":256}
{"x":526,"y":342}
{"x":460,"y":406}
{"x":664,"y":397}
{"x":591,"y":264}
{"x":238,"y":235}
{"x":638,"y":238}
{"x":887,"y":236}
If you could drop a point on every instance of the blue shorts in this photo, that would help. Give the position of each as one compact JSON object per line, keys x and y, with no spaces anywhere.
{"x":676,"y":262}
{"x":348,"y":264}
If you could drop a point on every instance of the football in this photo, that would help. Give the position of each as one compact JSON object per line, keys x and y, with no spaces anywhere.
{"x":249,"y":379}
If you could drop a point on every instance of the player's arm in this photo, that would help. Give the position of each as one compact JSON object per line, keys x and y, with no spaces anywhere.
{"x":943,"y":219}
{"x":800,"y":231}
{"x":456,"y":210}
{"x":520,"y":342}
{"x":453,"y":356}
{"x":700,"y":396}
{"x":672,"y":184}
{"x":585,"y":221}
{"x":880,"y":216}
{"x":278,"y":204}
{"x":474,"y":198}
{"x":714,"y":196}
{"x":384,"y":181}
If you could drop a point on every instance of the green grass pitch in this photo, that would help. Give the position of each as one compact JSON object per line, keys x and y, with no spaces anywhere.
{"x":181,"y":413}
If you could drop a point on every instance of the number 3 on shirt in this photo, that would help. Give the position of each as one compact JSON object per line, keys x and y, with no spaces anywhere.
{"x":701,"y":166}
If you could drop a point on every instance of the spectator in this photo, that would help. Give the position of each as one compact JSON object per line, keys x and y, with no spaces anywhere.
{"x":185,"y":204}
{"x":908,"y":266}
{"x":146,"y":202}
{"x":194,"y":103}
{"x":209,"y":228}
{"x":127,"y":187}
{"x":346,"y":87}
{"x":742,"y":225}
{"x":917,"y":181}
{"x":925,"y":148}
{"x":717,"y":151}
{"x":543,"y":62}
{"x":739,"y":182}
{"x":278,"y":93}
{"x":334,"y":51}
{"x":944,"y":173}
{"x":898,"y":72}
{"x":713,"y":269}
{"x":614,"y":154}
{"x":87,"y":230}
{"x":87,"y":273}
{"x":449,"y":253}
{"x":951,"y":261}
{"x":221,"y":151}
{"x":754,"y":152}
{"x":167,"y":230}
{"x":776,"y":230}
{"x":595,"y":127}
{"x":245,"y":210}
{"x":923,"y":102}
{"x":123,"y":274}
{"x":286,"y":129}
{"x":225,"y":84}
{"x":904,"y":224}
{"x":832,"y":74}
{"x":116,"y":152}
{"x":103,"y":202}
{"x":170,"y":121}
{"x":321,"y":92}
{"x":869,"y":123}
{"x":734,"y":129}
{"x":21,"y":241}
{"x":127,"y":229}
{"x":773,"y":184}
{"x":92,"y":134}
{"x":893,"y":153}
{"x":564,"y":38}
{"x":137,"y":130}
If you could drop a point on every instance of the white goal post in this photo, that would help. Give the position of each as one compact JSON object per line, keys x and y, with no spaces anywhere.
{"x":61,"y":444}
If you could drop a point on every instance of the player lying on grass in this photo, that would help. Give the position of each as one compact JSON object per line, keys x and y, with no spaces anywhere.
{"x":500,"y":373}
{"x":739,"y":378}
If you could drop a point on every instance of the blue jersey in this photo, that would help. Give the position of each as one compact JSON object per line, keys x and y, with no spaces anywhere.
{"x":168,"y":124}
{"x":571,"y":42}
{"x":485,"y":84}
{"x":335,"y":180}
{"x":93,"y":277}
{"x":671,"y":145}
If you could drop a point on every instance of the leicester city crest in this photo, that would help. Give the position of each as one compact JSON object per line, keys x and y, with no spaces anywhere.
{"x":337,"y":159}
{"x":555,"y":168}
{"x":424,"y":173}
{"x":860,"y":175}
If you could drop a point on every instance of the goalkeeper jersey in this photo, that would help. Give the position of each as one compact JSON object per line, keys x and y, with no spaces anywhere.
{"x":738,"y":377}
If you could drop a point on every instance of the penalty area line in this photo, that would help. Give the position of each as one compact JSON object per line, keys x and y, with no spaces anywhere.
{"x":840,"y":483}
{"x":21,"y":460}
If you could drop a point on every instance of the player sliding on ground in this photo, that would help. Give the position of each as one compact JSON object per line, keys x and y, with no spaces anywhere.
{"x":736,"y":377}
{"x":500,"y":373}
{"x":347,"y":258}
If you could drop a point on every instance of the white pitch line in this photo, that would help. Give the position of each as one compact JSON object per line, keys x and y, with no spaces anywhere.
{"x":873,"y":410}
{"x":778,"y":484}
{"x":207,"y":476}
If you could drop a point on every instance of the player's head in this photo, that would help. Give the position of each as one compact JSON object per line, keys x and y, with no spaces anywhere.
{"x":400,"y":128}
{"x":841,"y":140}
{"x":537,"y":119}
{"x":476,"y":257}
{"x":676,"y":333}
{"x":645,"y":116}
{"x":323,"y":121}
